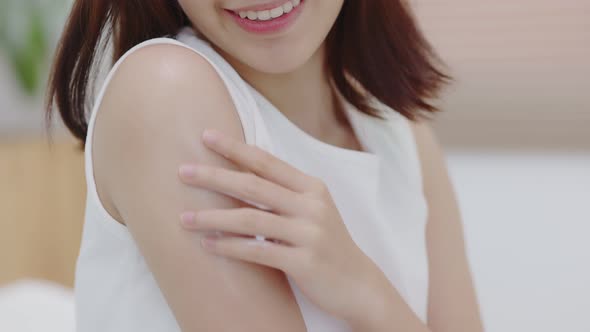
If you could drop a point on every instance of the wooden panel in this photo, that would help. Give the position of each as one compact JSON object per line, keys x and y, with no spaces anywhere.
{"x":42,"y":196}
{"x":522,"y":70}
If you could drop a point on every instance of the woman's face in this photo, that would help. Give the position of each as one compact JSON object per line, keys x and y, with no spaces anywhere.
{"x":270,"y":36}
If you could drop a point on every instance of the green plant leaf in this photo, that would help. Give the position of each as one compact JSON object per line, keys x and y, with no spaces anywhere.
{"x":28,"y":60}
{"x":27,"y":71}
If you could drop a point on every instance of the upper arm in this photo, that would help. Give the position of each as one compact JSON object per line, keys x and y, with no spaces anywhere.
{"x":452,"y":303}
{"x":151,"y":119}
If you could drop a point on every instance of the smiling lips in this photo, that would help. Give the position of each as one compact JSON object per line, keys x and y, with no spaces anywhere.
{"x":267,"y":19}
{"x":269,"y":14}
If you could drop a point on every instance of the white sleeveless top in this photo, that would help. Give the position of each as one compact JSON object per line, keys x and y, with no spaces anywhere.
{"x":378,"y":194}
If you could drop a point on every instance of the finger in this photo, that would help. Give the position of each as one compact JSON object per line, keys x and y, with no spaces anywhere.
{"x":257,"y":160}
{"x":266,"y":253}
{"x":246,"y":187}
{"x":245,"y":221}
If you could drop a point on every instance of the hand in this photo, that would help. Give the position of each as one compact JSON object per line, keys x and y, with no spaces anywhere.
{"x":310,"y":242}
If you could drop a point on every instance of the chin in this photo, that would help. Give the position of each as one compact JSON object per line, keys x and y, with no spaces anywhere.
{"x":279,"y":57}
{"x":277,"y":65}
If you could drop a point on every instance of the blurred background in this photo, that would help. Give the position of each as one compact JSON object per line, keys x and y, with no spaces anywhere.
{"x":516,"y":131}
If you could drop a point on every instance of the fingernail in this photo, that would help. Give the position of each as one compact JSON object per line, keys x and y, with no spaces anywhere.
{"x":210,"y":136}
{"x":187,"y":171}
{"x":188,"y":218}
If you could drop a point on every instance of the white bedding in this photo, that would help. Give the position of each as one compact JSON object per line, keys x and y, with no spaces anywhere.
{"x":36,"y":306}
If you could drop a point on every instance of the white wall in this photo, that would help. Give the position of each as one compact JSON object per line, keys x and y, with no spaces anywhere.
{"x":527,"y":224}
{"x":521,"y":68}
{"x":17,"y":113}
{"x":21,"y":115}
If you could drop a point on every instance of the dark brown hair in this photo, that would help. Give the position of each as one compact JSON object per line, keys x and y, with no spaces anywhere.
{"x":376,"y":44}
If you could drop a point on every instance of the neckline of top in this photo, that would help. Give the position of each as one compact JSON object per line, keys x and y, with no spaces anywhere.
{"x":359,"y":122}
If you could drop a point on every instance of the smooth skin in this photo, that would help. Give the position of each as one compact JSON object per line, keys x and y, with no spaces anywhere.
{"x":315,"y":247}
{"x":150,"y":124}
{"x":155,"y":109}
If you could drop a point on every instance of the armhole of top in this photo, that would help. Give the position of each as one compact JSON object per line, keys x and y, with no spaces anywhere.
{"x":111,"y":223}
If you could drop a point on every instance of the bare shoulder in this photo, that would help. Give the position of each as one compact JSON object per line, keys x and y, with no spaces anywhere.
{"x":162,"y":84}
{"x":433,"y":167}
{"x":438,"y":188}
{"x":151,"y":119}
{"x":437,"y":185}
{"x":429,"y":149}
{"x":160,"y":95}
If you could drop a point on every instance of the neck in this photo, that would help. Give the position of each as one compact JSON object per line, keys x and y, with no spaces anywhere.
{"x":304,"y":96}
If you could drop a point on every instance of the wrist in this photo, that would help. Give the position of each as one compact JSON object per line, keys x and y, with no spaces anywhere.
{"x":385,"y":311}
{"x":373,"y":309}
{"x":373,"y":321}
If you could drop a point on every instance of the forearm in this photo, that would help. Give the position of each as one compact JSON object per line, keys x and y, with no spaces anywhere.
{"x":387,"y":312}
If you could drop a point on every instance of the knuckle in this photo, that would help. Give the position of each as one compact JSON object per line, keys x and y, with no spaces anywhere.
{"x":251,"y":185}
{"x":259,"y":251}
{"x":248,"y":224}
{"x":248,"y":213}
{"x":316,"y":209}
{"x":318,"y":186}
{"x":207,"y":173}
{"x":233,"y":147}
{"x":250,"y":221}
{"x":263,"y":162}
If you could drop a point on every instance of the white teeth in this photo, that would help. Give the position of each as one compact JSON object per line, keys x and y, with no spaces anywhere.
{"x":287,"y":7}
{"x":274,"y":13}
{"x":265,"y":15}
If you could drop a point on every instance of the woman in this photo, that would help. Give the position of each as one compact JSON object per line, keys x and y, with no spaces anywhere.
{"x":311,"y":194}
